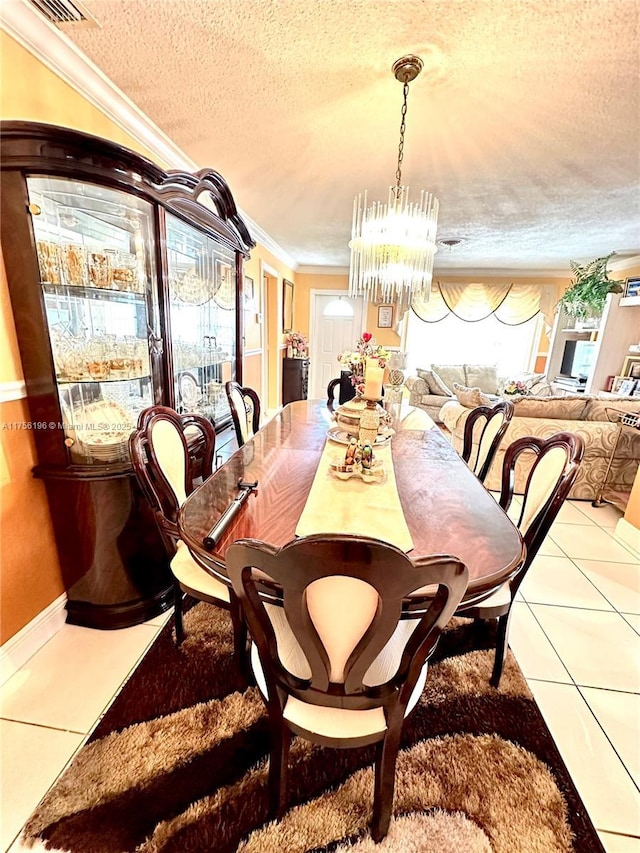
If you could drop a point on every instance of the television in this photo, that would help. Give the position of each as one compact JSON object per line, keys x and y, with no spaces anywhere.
{"x":577,"y":358}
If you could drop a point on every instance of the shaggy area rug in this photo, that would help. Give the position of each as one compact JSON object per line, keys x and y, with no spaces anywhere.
{"x":179,"y":765}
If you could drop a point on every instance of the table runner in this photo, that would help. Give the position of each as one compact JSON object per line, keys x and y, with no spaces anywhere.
{"x":353,"y":506}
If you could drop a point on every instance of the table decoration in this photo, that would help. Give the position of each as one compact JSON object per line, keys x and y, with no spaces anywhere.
{"x":359,"y":461}
{"x":515,"y":388}
{"x":343,"y":437}
{"x":353,"y":506}
{"x":369,"y":422}
{"x":355,"y":360}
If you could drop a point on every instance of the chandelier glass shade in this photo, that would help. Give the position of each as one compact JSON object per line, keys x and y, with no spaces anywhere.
{"x":393,"y":245}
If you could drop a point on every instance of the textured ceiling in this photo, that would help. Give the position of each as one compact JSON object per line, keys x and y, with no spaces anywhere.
{"x":525,"y":121}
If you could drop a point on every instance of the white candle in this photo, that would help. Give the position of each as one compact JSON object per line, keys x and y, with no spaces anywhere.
{"x":373,"y":375}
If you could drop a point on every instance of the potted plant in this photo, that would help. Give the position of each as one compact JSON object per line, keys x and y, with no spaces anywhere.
{"x":586,"y":296}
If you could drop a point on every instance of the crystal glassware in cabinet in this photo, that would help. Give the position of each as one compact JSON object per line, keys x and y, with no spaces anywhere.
{"x":122,"y":276}
{"x":89,"y":256}
{"x":203,"y":320}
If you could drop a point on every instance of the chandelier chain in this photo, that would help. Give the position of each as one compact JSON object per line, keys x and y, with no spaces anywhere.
{"x":403,"y":127}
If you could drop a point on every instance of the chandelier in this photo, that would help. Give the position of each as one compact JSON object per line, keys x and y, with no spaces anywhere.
{"x":393,"y":244}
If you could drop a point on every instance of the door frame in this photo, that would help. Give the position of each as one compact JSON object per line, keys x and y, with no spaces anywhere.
{"x":272,"y":272}
{"x":314,"y":293}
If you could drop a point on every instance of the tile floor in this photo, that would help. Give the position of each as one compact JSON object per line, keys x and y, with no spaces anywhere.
{"x":575,"y":633}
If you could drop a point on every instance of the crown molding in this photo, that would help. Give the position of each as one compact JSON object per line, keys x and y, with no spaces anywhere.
{"x":309,"y":269}
{"x":452,"y":272}
{"x":624,"y":263}
{"x":501,"y":272}
{"x":58,"y":53}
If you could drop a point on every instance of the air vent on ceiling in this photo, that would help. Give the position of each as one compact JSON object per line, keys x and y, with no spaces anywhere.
{"x":65,"y":12}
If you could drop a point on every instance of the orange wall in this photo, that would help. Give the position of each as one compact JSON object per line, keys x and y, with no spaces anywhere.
{"x":30,"y":576}
{"x":306,"y":282}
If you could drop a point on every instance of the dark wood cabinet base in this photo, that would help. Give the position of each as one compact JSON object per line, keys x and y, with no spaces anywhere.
{"x":113,"y":560}
{"x":112,"y":616}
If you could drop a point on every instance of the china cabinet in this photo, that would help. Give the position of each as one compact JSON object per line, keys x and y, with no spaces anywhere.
{"x":124,"y":284}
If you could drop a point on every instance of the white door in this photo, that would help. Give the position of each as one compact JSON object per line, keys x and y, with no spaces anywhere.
{"x":330,"y":336}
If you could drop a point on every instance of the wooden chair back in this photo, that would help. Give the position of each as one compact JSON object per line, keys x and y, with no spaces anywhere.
{"x":342,"y":599}
{"x":550,"y":479}
{"x":166,"y":464}
{"x":492,"y":423}
{"x":245,"y":410}
{"x":331,"y":392}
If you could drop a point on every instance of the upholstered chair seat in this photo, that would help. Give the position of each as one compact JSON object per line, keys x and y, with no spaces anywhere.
{"x":328,"y":722}
{"x":556,"y":461}
{"x":166,"y":470}
{"x":334,"y":662}
{"x":193,"y":577}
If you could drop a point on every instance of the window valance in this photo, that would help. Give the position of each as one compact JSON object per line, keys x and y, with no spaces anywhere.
{"x":511,"y":304}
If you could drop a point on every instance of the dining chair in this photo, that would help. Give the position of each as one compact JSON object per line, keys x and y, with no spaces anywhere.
{"x":245,"y":410}
{"x":166,"y":468}
{"x":492,"y":421}
{"x":334,"y":663}
{"x":331,"y":392}
{"x":557,"y":460}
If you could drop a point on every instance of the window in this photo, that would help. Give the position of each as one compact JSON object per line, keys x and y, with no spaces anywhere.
{"x":453,"y":341}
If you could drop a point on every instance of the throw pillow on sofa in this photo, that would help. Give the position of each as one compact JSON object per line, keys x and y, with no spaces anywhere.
{"x":482,"y":376}
{"x":470,"y":398}
{"x":436,"y":385}
{"x":450,"y":373}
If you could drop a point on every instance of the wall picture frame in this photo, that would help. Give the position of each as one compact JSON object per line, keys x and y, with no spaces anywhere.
{"x":287,"y":305}
{"x":632,"y":287}
{"x":631,"y":366}
{"x":385,"y":316}
{"x":249,"y":294}
{"x":626,"y":387}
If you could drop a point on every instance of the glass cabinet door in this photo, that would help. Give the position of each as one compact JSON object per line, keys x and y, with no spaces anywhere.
{"x":202,"y":294}
{"x":96,"y":271}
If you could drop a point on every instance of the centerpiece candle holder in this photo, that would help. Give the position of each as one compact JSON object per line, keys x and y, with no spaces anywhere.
{"x":369,"y":422}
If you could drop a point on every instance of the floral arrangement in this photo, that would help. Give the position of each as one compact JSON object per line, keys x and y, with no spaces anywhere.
{"x":298,"y":342}
{"x":355,"y":360}
{"x":514,"y":387}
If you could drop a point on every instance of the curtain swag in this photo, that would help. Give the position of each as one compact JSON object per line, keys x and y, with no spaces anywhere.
{"x":512,"y":304}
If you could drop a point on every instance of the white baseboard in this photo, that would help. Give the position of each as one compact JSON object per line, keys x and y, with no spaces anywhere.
{"x":628,"y":533}
{"x":23,"y":645}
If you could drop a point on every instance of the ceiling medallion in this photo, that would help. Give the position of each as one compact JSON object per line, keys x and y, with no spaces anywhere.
{"x":393,"y":244}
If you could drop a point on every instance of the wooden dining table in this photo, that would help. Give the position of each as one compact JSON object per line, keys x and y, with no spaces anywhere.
{"x":447,"y":509}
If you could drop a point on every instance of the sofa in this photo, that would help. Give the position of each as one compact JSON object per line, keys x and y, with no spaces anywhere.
{"x":581,"y":414}
{"x":432,"y":387}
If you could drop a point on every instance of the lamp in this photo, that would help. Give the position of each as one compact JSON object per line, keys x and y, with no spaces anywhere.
{"x":393,"y":245}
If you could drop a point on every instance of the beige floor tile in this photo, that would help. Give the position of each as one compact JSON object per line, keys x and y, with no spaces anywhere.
{"x":608,"y":793}
{"x":598,"y":648}
{"x":588,"y":542}
{"x":604,"y":516}
{"x":534,"y":653}
{"x":619,"y":843}
{"x":633,"y":620}
{"x":619,"y":582}
{"x":161,"y":621}
{"x":570,"y":514}
{"x":550,"y":549}
{"x":556,"y":580}
{"x":32,"y":757}
{"x":71,"y":679}
{"x":619,"y":715}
